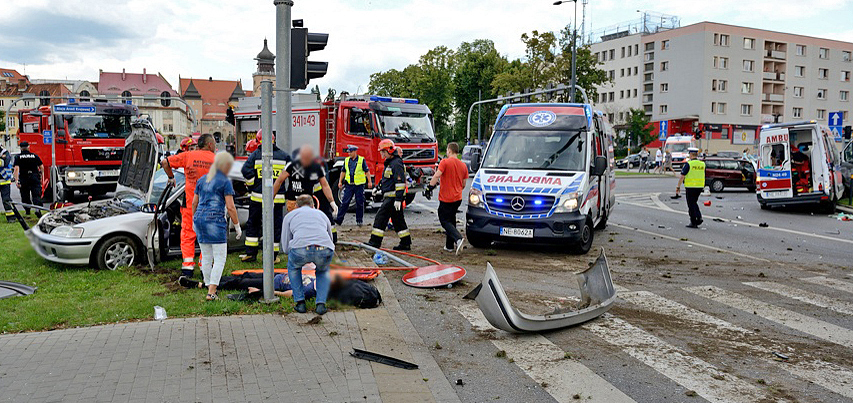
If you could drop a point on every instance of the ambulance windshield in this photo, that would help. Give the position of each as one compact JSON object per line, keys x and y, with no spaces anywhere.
{"x":406,"y":127}
{"x":547,"y":150}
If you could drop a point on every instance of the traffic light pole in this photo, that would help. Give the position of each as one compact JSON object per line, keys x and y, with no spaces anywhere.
{"x":283,"y":101}
{"x":267,"y":183}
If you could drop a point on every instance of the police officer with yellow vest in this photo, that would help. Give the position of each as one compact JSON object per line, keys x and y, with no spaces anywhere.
{"x":352,"y":181}
{"x":253,"y":172}
{"x":693,"y":178}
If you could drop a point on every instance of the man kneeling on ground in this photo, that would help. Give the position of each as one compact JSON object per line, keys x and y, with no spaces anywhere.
{"x":306,"y":237}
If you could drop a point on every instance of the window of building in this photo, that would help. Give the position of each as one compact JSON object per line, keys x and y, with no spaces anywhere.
{"x":721,"y":62}
{"x":621,"y":94}
{"x":2,"y":102}
{"x":801,"y":50}
{"x":821,"y":93}
{"x":845,"y":76}
{"x":721,"y":40}
{"x":650,"y":46}
{"x":823,"y":53}
{"x":797,"y":113}
{"x":612,"y":96}
{"x":800,"y":71}
{"x":636,"y":70}
{"x":44,"y":98}
{"x":650,"y":56}
{"x":622,"y":114}
{"x":748,"y":43}
{"x":664,"y":45}
{"x":603,"y":98}
{"x":611,"y":74}
{"x":718,"y":108}
{"x":844,"y":96}
{"x":637,"y":49}
{"x":610,"y":117}
{"x":604,"y":56}
{"x":623,"y":52}
{"x":621,"y":72}
{"x":798,"y":92}
{"x":649,"y":77}
{"x":821,"y":114}
{"x":746,"y":88}
{"x":612,"y":54}
{"x":628,"y":72}
{"x":724,"y":134}
{"x":719,"y":85}
{"x":629,"y":51}
{"x":748,"y":65}
{"x":664,"y":66}
{"x":664,"y":109}
{"x":664,"y":87}
{"x":635,"y":92}
{"x":846,"y":56}
{"x":823,"y":74}
{"x":746,"y":110}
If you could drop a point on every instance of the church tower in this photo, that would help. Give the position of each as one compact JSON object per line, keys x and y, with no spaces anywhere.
{"x":266,"y":69}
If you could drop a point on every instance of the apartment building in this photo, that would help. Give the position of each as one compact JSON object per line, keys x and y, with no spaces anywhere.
{"x":729,"y":80}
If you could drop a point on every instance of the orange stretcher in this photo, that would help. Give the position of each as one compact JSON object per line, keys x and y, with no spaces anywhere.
{"x":350,"y":274}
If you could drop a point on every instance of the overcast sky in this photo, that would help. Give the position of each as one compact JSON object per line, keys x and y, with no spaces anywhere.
{"x":202,"y":38}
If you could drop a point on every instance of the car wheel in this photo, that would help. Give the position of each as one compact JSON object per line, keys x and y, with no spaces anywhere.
{"x":115,"y":252}
{"x":586,"y":238}
{"x":717,"y":186}
{"x":478,"y":241}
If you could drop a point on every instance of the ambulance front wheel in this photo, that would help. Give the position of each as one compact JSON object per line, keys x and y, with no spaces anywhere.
{"x":477,"y":240}
{"x":585,"y":239}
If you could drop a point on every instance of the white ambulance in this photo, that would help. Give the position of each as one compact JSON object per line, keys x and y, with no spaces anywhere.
{"x":547,"y":176}
{"x":798,"y":164}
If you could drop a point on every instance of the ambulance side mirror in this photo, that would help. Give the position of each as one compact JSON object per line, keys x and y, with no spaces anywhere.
{"x":600,"y":166}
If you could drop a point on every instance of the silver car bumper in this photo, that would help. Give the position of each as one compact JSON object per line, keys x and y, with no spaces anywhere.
{"x":74,"y":251}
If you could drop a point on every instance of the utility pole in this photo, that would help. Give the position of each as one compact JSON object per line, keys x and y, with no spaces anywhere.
{"x":283,"y":101}
{"x":574,"y":54}
{"x":267,"y":197}
{"x":479,"y":112}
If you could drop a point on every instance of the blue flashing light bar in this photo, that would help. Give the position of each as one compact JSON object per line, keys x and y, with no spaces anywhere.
{"x":392,"y":99}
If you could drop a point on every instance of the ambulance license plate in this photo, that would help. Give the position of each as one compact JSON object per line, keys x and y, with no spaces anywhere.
{"x":517,"y":232}
{"x":777,"y":194}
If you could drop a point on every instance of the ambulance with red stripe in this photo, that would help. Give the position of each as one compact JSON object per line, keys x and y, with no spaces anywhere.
{"x":798,"y":164}
{"x":547,"y":176}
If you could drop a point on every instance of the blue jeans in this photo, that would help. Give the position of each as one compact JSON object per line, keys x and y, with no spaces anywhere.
{"x":349,"y":192}
{"x":298,"y":257}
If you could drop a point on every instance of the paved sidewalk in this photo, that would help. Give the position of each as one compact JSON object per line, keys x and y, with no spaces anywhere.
{"x":228,"y":359}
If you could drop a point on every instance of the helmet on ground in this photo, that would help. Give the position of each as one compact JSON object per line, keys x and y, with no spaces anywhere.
{"x":387,"y":145}
{"x":186,"y":143}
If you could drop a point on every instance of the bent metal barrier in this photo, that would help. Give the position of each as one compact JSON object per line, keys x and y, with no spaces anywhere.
{"x":597,"y":297}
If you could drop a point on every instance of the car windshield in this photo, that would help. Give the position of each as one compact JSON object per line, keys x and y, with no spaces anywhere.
{"x":98,"y":126}
{"x":160,"y":181}
{"x":677,"y":147}
{"x":552,"y":150}
{"x":406,"y":126}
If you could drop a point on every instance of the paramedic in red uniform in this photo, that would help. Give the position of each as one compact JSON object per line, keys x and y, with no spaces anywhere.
{"x":195,"y":164}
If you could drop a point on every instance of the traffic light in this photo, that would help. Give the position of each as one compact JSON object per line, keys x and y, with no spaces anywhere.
{"x":847,"y":132}
{"x":229,"y":115}
{"x":302,"y":43}
{"x":697,"y":134}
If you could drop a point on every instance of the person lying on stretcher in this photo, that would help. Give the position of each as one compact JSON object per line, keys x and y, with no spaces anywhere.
{"x":253,"y":283}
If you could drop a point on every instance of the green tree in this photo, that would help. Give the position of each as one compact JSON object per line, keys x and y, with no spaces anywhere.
{"x":2,"y":121}
{"x":434,"y":87}
{"x":639,"y":128}
{"x":477,"y":64}
{"x":393,"y":83}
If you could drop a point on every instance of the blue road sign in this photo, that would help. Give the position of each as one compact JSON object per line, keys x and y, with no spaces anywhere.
{"x":47,"y":136}
{"x":663,"y":126}
{"x":73,"y":109}
{"x":836,"y":122}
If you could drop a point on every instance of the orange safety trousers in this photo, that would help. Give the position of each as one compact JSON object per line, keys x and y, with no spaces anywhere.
{"x":187,"y":238}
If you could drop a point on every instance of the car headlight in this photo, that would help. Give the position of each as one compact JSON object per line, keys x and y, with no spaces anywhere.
{"x":475,"y":198}
{"x":67,"y":231}
{"x":568,"y":203}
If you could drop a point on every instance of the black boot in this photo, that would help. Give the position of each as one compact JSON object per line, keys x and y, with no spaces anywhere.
{"x":300,"y":307}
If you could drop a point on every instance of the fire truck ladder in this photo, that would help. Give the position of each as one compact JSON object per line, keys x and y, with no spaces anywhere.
{"x":331,"y":118}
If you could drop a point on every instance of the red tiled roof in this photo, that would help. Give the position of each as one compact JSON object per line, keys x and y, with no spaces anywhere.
{"x":215,"y":95}
{"x":54,"y":89}
{"x":137,"y":83}
{"x":12,"y":76}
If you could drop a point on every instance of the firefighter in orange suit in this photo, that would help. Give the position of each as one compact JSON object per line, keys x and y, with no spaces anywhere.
{"x":196,"y":164}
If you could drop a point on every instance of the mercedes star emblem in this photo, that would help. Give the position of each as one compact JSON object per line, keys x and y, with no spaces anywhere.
{"x":517,"y":203}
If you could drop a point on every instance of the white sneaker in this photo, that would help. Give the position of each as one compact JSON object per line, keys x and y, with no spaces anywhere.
{"x":446,"y":249}
{"x":459,"y":244}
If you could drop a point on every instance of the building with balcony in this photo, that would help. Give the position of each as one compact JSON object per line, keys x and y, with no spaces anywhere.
{"x":726,"y":80}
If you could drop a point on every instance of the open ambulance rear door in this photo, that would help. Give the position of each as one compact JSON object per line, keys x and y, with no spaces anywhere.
{"x":774,"y":166}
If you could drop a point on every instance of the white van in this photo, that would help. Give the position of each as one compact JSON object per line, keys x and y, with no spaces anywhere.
{"x":798,"y":164}
{"x":547,"y":175}
{"x":678,"y":146}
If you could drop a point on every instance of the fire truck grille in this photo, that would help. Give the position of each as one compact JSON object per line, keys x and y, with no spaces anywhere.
{"x":102,"y":154}
{"x":418,"y":154}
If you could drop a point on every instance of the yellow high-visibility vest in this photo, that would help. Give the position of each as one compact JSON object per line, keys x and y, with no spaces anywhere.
{"x":696,"y":176}
{"x":360,"y":176}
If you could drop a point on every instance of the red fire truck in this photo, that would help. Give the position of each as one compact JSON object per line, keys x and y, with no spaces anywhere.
{"x":332,"y":125}
{"x":89,"y":143}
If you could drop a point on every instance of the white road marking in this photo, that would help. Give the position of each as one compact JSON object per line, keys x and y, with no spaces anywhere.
{"x":690,"y":372}
{"x":831,"y":283}
{"x":831,"y":376}
{"x":739,"y":222}
{"x":672,"y":238}
{"x":544,"y":362}
{"x":430,"y":276}
{"x":806,"y":324}
{"x":808,"y":297}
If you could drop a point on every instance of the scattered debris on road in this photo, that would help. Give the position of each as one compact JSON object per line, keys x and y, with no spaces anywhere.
{"x":382,"y":359}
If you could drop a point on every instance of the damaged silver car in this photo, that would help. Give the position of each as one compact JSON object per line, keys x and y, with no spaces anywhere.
{"x":141,"y":223}
{"x":597,"y":296}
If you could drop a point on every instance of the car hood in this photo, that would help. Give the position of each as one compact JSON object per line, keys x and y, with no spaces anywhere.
{"x":139,"y":161}
{"x":87,"y":212}
{"x":528,"y":181}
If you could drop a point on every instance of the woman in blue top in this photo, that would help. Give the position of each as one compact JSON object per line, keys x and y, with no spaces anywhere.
{"x":214,"y":196}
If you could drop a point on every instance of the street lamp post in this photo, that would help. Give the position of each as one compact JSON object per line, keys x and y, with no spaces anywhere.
{"x":574,"y":48}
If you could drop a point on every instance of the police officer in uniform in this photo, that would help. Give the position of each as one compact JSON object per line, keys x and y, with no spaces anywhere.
{"x":352,"y":180}
{"x":393,"y":189}
{"x":693,"y":178}
{"x":307,"y":177}
{"x":28,"y":173}
{"x":253,"y":172}
{"x":6,"y":169}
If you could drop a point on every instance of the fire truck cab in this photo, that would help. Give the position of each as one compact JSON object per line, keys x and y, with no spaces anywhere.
{"x":88,"y":142}
{"x":363,"y":121}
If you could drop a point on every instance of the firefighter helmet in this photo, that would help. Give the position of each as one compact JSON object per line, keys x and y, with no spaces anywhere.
{"x":251,"y":146}
{"x":258,"y":137}
{"x":387,"y":145}
{"x":187,"y":143}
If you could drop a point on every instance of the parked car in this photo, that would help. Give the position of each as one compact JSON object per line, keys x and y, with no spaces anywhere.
{"x":471,"y":156}
{"x":728,"y":154}
{"x":628,"y":162}
{"x":141,"y":223}
{"x":729,"y":172}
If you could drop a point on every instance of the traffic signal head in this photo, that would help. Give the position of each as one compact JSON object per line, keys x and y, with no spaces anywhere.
{"x":229,"y":115}
{"x":302,"y":43}
{"x":847,"y":132}
{"x":697,"y":134}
